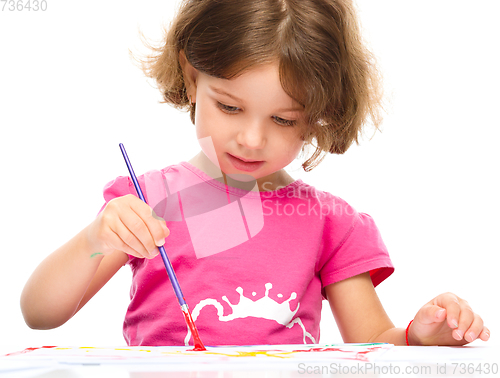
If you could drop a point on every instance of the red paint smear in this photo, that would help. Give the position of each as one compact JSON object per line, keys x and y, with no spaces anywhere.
{"x":27,"y":350}
{"x":323,"y":350}
{"x":360,"y":356}
{"x":198,"y":345}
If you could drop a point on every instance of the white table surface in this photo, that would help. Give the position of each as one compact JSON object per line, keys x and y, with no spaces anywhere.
{"x":470,"y":361}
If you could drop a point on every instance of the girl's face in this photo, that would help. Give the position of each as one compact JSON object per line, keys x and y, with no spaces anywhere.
{"x":254,"y":125}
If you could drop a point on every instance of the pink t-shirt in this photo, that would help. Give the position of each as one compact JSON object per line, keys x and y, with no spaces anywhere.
{"x":252,"y":265}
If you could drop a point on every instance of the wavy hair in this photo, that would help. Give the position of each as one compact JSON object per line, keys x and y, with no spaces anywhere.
{"x":323,"y":62}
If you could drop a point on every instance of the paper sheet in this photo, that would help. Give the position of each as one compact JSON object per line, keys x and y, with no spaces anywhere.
{"x":238,"y":355}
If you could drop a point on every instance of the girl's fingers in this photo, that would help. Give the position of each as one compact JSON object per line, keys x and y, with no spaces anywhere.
{"x":475,"y":329}
{"x":432,"y":314}
{"x":156,"y":226}
{"x":132,"y":227}
{"x":133,"y":233}
{"x":485,"y":334}
{"x":158,"y":229}
{"x":117,"y":243}
{"x":451,"y":303}
{"x":465,"y":321}
{"x":457,"y":319}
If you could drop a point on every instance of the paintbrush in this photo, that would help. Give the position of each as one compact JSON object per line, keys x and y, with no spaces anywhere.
{"x":198,"y":345}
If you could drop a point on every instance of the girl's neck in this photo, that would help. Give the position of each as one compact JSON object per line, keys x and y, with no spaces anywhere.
{"x":271,"y":182}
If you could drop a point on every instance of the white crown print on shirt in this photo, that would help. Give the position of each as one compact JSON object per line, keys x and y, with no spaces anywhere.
{"x":265,"y":308}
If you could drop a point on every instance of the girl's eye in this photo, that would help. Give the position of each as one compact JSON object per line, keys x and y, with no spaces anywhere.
{"x":227,"y":108}
{"x":284,"y":122}
{"x":234,"y":110}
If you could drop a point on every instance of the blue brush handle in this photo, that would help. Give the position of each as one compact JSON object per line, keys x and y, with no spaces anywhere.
{"x":166,"y":261}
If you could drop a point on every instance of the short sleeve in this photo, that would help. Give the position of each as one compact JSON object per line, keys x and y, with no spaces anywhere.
{"x":151,"y":183}
{"x":360,"y":250}
{"x":120,"y":186}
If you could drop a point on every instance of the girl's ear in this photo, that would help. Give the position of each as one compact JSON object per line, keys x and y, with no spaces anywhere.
{"x":190,"y":75}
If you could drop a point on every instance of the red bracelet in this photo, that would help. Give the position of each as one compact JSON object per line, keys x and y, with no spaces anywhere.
{"x":407,"y":329}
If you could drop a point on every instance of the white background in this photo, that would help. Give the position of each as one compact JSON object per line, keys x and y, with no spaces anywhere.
{"x":69,"y":94}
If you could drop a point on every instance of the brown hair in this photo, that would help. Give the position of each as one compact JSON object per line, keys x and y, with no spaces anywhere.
{"x":323,"y":62}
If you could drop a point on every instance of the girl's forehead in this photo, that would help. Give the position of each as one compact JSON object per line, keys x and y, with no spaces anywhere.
{"x":245,"y":67}
{"x":250,"y":77}
{"x":263,"y":77}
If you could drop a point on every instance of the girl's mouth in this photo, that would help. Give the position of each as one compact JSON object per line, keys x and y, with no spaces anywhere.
{"x":242,"y":165}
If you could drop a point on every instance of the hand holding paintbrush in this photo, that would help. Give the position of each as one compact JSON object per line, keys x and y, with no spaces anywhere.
{"x":198,"y":345}
{"x":69,"y":277}
{"x":127,"y":224}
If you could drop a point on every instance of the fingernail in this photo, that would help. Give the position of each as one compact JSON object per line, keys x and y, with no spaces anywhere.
{"x":440,"y":312}
{"x":159,"y":243}
{"x":455,"y":324}
{"x":470,"y":337}
{"x":459,"y":334}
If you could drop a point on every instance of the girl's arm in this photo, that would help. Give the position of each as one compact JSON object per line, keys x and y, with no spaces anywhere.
{"x":445,"y":320}
{"x":360,"y":316}
{"x":71,"y":275}
{"x":65,"y":281}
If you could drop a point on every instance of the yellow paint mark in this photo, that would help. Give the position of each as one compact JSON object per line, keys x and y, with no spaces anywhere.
{"x":267,"y":353}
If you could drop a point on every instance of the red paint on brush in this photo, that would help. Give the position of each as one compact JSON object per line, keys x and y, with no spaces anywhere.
{"x":198,"y":345}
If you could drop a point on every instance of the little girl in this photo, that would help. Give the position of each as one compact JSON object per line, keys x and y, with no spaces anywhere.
{"x":255,"y":251}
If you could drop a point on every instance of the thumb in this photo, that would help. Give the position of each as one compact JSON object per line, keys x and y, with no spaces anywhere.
{"x":430,"y":313}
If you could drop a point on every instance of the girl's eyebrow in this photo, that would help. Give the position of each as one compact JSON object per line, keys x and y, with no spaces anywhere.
{"x":224,"y":93}
{"x":295,"y":109}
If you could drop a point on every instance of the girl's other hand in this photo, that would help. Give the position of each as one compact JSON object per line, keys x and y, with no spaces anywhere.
{"x":129,"y":225}
{"x":446,"y":320}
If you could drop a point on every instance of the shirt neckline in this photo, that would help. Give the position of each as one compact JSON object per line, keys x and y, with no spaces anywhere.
{"x":240,"y":192}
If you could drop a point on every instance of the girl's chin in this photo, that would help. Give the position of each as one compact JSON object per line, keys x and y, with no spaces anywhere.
{"x":242,"y":177}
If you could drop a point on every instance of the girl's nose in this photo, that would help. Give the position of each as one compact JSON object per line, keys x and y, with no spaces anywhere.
{"x":252,"y":135}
